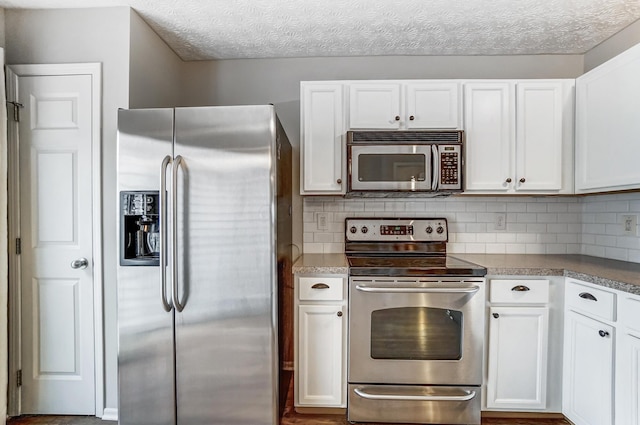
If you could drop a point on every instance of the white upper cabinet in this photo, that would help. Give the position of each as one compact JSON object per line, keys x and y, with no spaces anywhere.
{"x":489,"y":135}
{"x":322,"y":165}
{"x":519,"y":136}
{"x":404,"y":105}
{"x":433,"y":105}
{"x":374,"y":105}
{"x":608,"y":125}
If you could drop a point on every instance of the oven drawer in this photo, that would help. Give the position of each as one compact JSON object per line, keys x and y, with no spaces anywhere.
{"x":320,"y":288}
{"x":414,"y":404}
{"x":519,"y":291}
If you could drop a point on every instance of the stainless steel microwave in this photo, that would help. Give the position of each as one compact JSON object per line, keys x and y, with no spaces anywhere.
{"x":404,"y":163}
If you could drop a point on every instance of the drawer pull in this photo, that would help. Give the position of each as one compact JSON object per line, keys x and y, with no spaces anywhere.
{"x":320,"y":286}
{"x":587,"y":296}
{"x":603,"y":334}
{"x":520,"y":288}
{"x":495,"y":315}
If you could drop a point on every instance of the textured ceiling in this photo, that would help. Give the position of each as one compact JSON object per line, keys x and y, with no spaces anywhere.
{"x":230,"y":29}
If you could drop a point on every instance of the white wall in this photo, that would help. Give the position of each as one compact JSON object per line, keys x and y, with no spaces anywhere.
{"x":534,"y":225}
{"x":86,"y":35}
{"x":602,"y":226}
{"x":614,"y":45}
{"x":2,"y":40}
{"x":590,"y":225}
{"x":155,"y":71}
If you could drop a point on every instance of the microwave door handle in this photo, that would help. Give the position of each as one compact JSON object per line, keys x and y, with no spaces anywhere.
{"x":435,"y":160}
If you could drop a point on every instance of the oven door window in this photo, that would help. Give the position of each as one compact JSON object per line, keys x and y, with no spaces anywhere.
{"x":416,"y":333}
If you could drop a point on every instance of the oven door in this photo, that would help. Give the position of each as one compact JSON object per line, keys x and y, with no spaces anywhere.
{"x":393,"y":167}
{"x":416,"y":331}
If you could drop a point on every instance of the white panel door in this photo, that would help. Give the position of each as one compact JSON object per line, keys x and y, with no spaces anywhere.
{"x":539,"y":137}
{"x":518,"y":341}
{"x":489,"y":136}
{"x":588,"y":371}
{"x":56,"y":230}
{"x":374,"y":105}
{"x":433,"y":105}
{"x":322,"y":145}
{"x":320,"y":338}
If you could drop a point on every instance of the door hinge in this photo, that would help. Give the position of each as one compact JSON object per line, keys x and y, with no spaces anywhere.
{"x":16,"y":109}
{"x":19,"y":378}
{"x":18,"y":246}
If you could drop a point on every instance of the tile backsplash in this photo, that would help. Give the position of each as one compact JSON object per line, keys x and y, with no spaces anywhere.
{"x":589,"y":225}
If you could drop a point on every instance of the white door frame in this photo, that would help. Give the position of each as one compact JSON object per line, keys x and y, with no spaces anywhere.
{"x":15,"y":343}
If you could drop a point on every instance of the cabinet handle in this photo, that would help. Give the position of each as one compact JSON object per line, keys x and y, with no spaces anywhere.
{"x":397,"y":118}
{"x":522,"y":180}
{"x":508,"y":180}
{"x":339,"y":181}
{"x":587,"y":296}
{"x":603,"y":334}
{"x":495,"y":315}
{"x":411,"y":118}
{"x":520,"y":288}
{"x":340,"y":315}
{"x":320,"y":286}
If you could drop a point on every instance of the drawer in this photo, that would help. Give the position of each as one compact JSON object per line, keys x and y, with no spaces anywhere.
{"x":631,"y":313}
{"x":320,"y":288}
{"x":591,"y":301}
{"x":519,"y":291}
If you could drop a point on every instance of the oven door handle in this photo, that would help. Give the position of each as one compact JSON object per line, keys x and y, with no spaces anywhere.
{"x":418,"y":290}
{"x":468,"y":395}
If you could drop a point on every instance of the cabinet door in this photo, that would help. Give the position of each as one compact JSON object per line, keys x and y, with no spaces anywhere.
{"x":433,"y":105}
{"x":627,"y":391}
{"x":322,"y":133}
{"x":489,"y":136}
{"x":517,"y":377}
{"x":374,"y":105}
{"x":539,"y":136}
{"x":607,"y":125}
{"x":320,"y":360}
{"x":588,"y":371}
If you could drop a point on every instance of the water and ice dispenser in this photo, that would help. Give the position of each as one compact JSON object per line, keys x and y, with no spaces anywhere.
{"x":139,"y":228}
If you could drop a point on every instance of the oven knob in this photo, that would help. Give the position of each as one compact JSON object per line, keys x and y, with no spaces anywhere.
{"x":364,"y":229}
{"x":440,"y":229}
{"x":429,"y":230}
{"x":353,"y":229}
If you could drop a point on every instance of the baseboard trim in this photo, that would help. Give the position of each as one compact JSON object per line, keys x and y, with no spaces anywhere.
{"x":321,"y":410}
{"x":522,"y":415}
{"x":110,"y":414}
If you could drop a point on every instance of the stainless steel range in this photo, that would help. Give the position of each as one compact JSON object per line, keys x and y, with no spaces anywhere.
{"x":416,"y":324}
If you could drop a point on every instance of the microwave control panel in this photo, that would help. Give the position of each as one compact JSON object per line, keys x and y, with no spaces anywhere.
{"x":450,"y":164}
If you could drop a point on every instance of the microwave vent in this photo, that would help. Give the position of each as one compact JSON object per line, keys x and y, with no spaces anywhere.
{"x":405,"y":137}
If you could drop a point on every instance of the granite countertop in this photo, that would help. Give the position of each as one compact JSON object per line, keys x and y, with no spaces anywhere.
{"x":620,"y":275}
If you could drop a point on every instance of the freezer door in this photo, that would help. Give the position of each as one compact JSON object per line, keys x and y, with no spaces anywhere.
{"x":145,"y":329}
{"x":226,"y":346}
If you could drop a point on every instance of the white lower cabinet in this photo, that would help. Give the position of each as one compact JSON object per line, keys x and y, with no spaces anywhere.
{"x":588,"y":354}
{"x":518,"y":357}
{"x":627,"y":391}
{"x":518,"y":344}
{"x":320,"y":345}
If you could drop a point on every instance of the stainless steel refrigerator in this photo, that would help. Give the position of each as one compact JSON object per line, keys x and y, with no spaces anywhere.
{"x":205,"y":245}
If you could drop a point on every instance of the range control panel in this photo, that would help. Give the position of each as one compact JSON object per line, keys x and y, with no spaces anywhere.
{"x":396,"y":229}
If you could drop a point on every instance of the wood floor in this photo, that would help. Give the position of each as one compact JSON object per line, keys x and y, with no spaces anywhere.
{"x":289,"y":417}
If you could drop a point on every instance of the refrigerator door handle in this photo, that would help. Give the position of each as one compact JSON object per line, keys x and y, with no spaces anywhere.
{"x":174,"y":232}
{"x":163,"y":232}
